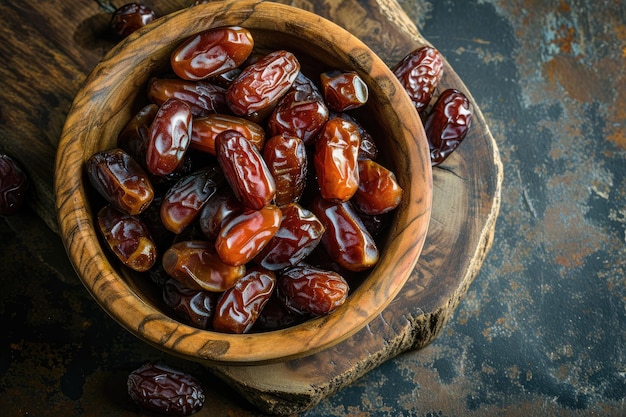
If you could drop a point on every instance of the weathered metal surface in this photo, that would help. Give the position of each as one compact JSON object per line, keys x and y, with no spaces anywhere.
{"x":542,"y":329}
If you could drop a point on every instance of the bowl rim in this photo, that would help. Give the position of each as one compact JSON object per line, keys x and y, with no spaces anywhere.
{"x":123,"y":304}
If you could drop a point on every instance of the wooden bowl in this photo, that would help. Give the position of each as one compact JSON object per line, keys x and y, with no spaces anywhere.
{"x":109,"y":98}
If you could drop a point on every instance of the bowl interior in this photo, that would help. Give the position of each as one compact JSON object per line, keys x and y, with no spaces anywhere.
{"x":115,"y":91}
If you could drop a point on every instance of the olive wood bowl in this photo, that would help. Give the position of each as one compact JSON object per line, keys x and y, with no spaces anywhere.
{"x":113,"y":93}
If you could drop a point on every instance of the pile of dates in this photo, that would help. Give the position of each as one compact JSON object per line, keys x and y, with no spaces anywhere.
{"x":244,"y":189}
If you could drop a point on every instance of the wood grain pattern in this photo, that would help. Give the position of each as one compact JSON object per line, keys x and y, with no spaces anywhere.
{"x":46,"y":56}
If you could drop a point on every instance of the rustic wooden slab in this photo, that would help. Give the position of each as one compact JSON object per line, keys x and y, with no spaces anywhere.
{"x":47,"y":53}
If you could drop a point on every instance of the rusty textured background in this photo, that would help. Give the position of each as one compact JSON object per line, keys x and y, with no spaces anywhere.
{"x":542,"y":330}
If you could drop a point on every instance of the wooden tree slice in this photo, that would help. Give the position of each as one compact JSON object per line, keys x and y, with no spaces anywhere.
{"x":38,"y":90}
{"x":466,"y":201}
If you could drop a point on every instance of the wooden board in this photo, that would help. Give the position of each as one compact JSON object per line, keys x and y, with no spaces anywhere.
{"x":47,"y":53}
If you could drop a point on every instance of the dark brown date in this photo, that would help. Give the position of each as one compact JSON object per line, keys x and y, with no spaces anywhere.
{"x":220,"y":208}
{"x":130,"y":17}
{"x":335,"y":159}
{"x":165,"y":390}
{"x":447,"y":124}
{"x":311,"y":290}
{"x":246,"y":234}
{"x":120,"y":180}
{"x":346,"y":240}
{"x":301,"y":112}
{"x":202,"y":97}
{"x":379,"y":191}
{"x":170,"y":134}
{"x":196,"y":264}
{"x":184,"y":200}
{"x":128,"y":237}
{"x":205,"y":130}
{"x":245,"y":170}
{"x":133,"y":138}
{"x":300,"y":232}
{"x":212,"y":52}
{"x":286,"y":160}
{"x":419,"y":72}
{"x":239,"y":306}
{"x":191,"y":306}
{"x":256,"y":91}
{"x":343,"y":90}
{"x":14,"y":185}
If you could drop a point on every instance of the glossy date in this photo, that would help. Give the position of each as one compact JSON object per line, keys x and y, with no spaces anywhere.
{"x":346,"y":240}
{"x":202,"y":97}
{"x":212,"y":52}
{"x":343,"y":90}
{"x":128,"y":237}
{"x":196,"y":264}
{"x":130,"y":17}
{"x":447,"y":124}
{"x":238,"y":307}
{"x":419,"y":72}
{"x":165,"y":390}
{"x":287,"y":162}
{"x":120,"y":180}
{"x":14,"y":185}
{"x":246,"y":234}
{"x":245,"y":170}
{"x":336,"y":156}
{"x":379,"y":191}
{"x":185,"y":199}
{"x":205,"y":130}
{"x":299,"y":234}
{"x":256,"y":91}
{"x":311,"y":290}
{"x":169,"y":137}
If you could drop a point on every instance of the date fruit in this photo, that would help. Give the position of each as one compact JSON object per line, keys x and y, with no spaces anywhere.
{"x":346,"y":240}
{"x":165,"y":390}
{"x":203,"y":97}
{"x":220,"y":208}
{"x":128,"y":237}
{"x":245,"y":169}
{"x":256,"y":91}
{"x":335,"y":159}
{"x":130,"y":17}
{"x":120,"y":180}
{"x":299,"y":234}
{"x":246,"y":234}
{"x":170,"y":134}
{"x":301,"y":112}
{"x":343,"y":90}
{"x":238,"y":307}
{"x":286,"y":160}
{"x":212,"y":52}
{"x":419,"y":72}
{"x":205,"y":130}
{"x":379,"y":191}
{"x":196,"y":264}
{"x":133,"y":138}
{"x":193,"y":307}
{"x":14,"y":185}
{"x":185,"y":199}
{"x":447,"y":124}
{"x":311,"y":290}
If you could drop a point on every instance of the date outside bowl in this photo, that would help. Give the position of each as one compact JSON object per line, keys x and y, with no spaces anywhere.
{"x":108,"y":99}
